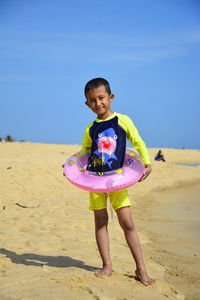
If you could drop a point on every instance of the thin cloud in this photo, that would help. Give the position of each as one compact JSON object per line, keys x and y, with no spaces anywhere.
{"x":90,"y":47}
{"x":149,"y":55}
{"x":18,"y":78}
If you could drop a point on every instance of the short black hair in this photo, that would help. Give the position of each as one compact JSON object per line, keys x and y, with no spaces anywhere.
{"x":95,"y":83}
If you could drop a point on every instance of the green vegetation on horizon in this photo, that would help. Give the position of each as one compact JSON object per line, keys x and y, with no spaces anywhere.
{"x":9,"y":138}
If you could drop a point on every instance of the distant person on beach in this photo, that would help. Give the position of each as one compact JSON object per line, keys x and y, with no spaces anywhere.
{"x":159,"y":156}
{"x":98,"y":99}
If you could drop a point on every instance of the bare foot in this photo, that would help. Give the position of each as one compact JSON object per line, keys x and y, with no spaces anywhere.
{"x":106,"y":271}
{"x":143,"y":278}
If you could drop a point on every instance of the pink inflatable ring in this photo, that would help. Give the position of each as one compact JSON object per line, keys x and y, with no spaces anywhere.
{"x":75,"y":171}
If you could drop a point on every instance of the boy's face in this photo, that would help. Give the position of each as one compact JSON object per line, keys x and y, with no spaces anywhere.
{"x":99,"y":102}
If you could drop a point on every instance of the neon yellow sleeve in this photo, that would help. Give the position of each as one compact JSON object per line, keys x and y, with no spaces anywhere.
{"x":133,"y":136}
{"x":87,"y":141}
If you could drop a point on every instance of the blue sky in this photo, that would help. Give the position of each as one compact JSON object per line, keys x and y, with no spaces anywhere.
{"x":149,"y":51}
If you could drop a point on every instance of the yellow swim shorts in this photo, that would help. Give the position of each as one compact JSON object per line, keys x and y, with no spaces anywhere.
{"x":118,"y":199}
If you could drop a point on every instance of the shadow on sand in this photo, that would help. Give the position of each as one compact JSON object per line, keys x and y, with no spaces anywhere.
{"x":30,"y":259}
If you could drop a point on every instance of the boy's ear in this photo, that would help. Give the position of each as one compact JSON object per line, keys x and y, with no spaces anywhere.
{"x":112,"y":96}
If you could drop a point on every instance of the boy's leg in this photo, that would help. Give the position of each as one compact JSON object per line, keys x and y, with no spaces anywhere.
{"x":127,"y":224}
{"x":101,"y":231}
{"x":98,"y":203}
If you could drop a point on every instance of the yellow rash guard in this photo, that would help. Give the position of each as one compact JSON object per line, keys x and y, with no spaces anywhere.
{"x":131,"y":134}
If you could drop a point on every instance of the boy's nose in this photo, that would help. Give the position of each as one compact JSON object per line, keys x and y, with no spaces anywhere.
{"x":98,"y":102}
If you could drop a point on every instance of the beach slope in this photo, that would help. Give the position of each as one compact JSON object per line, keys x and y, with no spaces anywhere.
{"x":48,"y":248}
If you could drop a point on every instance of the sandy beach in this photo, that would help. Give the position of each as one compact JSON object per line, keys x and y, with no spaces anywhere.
{"x":48,"y":249}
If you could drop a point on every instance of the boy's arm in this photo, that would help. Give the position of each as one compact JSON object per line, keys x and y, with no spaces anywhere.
{"x":136,"y":140}
{"x":86,"y":142}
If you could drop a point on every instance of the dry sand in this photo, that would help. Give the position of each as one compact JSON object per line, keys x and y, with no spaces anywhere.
{"x":48,"y":250}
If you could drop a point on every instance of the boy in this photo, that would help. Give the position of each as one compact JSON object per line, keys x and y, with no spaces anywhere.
{"x":105,"y":141}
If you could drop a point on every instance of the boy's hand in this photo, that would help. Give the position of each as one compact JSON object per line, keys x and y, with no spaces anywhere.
{"x":63,"y":168}
{"x":147,"y":171}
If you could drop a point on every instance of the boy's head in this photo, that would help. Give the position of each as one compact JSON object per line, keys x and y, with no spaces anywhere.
{"x":95,"y":83}
{"x":99,"y":97}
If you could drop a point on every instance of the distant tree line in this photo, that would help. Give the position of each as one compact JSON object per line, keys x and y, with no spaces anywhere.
{"x":8,"y":138}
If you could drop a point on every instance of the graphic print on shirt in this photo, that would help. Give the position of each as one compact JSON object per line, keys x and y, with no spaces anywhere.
{"x":106,"y":145}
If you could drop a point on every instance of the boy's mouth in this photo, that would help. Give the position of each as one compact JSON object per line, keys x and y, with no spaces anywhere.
{"x":99,"y":108}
